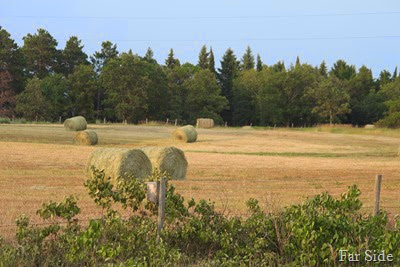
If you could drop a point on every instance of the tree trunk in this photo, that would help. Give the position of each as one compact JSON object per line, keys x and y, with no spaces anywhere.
{"x":98,"y":104}
{"x":330,"y":117}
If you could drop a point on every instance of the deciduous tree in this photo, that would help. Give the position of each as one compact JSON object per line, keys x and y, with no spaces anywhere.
{"x":31,"y":103}
{"x":204,"y":97}
{"x":331,"y":98}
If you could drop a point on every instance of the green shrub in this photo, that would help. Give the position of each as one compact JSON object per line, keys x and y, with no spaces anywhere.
{"x":5,"y":120}
{"x":308,"y":234}
{"x":390,"y":121}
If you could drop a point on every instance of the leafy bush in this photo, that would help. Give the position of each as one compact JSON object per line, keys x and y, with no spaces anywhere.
{"x":308,"y":234}
{"x":5,"y":120}
{"x":390,"y":121}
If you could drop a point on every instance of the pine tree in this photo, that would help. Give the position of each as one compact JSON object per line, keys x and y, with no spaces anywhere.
{"x":227,"y":73}
{"x":259,"y":63}
{"x":171,"y":62}
{"x":211,"y":61}
{"x":342,"y":70}
{"x":385,"y":77}
{"x":7,"y":95}
{"x":323,"y":70}
{"x":41,"y":54}
{"x":149,"y":56}
{"x":11,"y":63}
{"x":394,"y":74}
{"x":298,"y":61}
{"x":248,"y":59}
{"x":203,"y":58}
{"x":73,"y":55}
{"x":279,"y":66}
{"x":100,"y":58}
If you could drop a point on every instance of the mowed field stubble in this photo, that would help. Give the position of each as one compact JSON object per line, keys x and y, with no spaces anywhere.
{"x":39,"y":163}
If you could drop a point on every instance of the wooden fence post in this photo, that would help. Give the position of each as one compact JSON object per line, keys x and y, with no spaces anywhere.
{"x":161,"y":208}
{"x":378,"y":182}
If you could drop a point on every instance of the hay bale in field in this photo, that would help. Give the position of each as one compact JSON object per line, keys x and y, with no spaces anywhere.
{"x":187,"y":134}
{"x":87,"y":137}
{"x":369,"y":126}
{"x":75,"y":123}
{"x":205,"y":123}
{"x":120,"y":163}
{"x":168,"y":159}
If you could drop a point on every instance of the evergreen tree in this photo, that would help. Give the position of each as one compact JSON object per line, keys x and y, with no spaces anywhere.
{"x":279,"y":66}
{"x":73,"y":55}
{"x":259,"y":63}
{"x":211,"y":61}
{"x":227,"y":73}
{"x":157,"y":91}
{"x":178,"y":92}
{"x":149,"y":56}
{"x":248,"y":59}
{"x":362,"y":90}
{"x":56,"y":90}
{"x":342,"y":70}
{"x":99,"y":60}
{"x":384,"y":78}
{"x":82,"y":83}
{"x":203,"y":58}
{"x":7,"y":95}
{"x":171,"y":62}
{"x":41,"y":54}
{"x":11,"y":78}
{"x":394,"y":74}
{"x":323,"y":70}
{"x":298,"y":61}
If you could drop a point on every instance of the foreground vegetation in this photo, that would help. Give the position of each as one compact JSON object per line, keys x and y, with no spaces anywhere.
{"x":308,"y":234}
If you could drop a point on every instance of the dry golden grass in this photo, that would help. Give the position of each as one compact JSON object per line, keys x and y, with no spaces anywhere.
{"x":39,"y":163}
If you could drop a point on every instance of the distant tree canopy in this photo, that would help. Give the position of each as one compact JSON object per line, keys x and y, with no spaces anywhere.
{"x":41,"y":81}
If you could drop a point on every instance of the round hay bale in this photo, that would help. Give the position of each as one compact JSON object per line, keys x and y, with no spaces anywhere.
{"x":87,"y":137}
{"x":168,"y":159}
{"x":120,"y":163}
{"x":247,"y":128}
{"x":75,"y":123}
{"x":369,"y":126}
{"x":187,"y":134}
{"x":205,"y":123}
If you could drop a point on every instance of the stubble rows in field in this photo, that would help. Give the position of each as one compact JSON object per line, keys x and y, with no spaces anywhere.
{"x":38,"y":163}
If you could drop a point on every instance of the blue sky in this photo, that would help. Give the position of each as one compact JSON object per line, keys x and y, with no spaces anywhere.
{"x":277,"y":30}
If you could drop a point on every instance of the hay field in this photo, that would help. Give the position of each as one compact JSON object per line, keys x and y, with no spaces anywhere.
{"x":228,"y":165}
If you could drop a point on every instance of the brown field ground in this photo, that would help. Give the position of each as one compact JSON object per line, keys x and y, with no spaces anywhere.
{"x":38,"y":163}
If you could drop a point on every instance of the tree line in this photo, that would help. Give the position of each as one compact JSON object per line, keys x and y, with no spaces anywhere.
{"x":38,"y":81}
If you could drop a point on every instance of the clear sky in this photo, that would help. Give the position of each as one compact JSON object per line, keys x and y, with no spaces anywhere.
{"x":359,"y":31}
